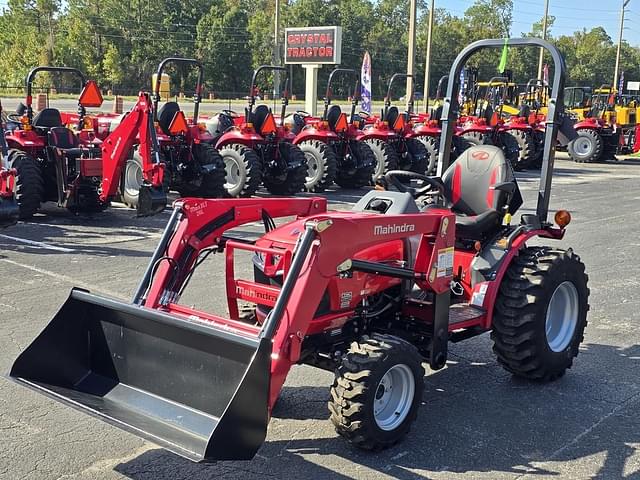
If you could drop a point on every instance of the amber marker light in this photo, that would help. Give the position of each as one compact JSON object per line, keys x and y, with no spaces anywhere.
{"x":562,"y":218}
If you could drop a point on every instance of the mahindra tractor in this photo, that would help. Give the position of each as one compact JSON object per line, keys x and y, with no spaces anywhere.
{"x":370,"y":294}
{"x":9,"y":211}
{"x":276,"y":162}
{"x":332,"y":143}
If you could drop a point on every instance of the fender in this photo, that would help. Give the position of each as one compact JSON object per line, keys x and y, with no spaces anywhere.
{"x":235,"y":135}
{"x":498,"y":265}
{"x":385,"y":135}
{"x":476,"y":128}
{"x":590,"y":123}
{"x":427,"y":130}
{"x":25,"y":139}
{"x":313,"y":133}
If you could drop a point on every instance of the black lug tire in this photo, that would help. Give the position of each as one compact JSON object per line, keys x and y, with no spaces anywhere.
{"x":419,"y":156}
{"x":29,"y":185}
{"x":472,"y":139}
{"x":595,"y":152}
{"x":249,"y":166}
{"x":519,"y":319}
{"x":129,"y":196}
{"x":386,"y":157}
{"x":294,"y":180}
{"x":355,"y":385}
{"x":432,"y":145}
{"x":361,"y":176}
{"x":210,"y":185}
{"x":325,"y":159}
{"x":522,"y":142}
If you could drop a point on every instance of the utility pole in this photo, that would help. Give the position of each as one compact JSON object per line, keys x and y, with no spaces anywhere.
{"x":544,"y":37}
{"x":427,"y":65}
{"x":411,"y":57}
{"x":615,"y":74}
{"x":276,"y":50}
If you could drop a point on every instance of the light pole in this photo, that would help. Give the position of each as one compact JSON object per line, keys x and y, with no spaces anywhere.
{"x":544,"y":37}
{"x":276,"y":50}
{"x":427,"y":66}
{"x":411,"y":56}
{"x":615,"y":74}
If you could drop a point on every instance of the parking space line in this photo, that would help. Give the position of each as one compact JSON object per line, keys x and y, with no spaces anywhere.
{"x":41,"y":245}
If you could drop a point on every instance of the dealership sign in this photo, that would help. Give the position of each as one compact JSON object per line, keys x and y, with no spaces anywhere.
{"x":313,"y":45}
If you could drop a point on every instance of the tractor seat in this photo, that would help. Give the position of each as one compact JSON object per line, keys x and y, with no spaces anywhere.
{"x":47,"y":118}
{"x":166,"y":113}
{"x":392,"y":116}
{"x":258,"y":116}
{"x":469,"y":185}
{"x":333,"y":115}
{"x":66,"y":143}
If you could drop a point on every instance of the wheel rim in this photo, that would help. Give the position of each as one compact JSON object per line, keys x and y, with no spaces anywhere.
{"x":233,"y":174}
{"x":582,"y":146}
{"x":562,"y":316}
{"x":393,"y":397}
{"x":313,"y":169}
{"x":133,"y":179}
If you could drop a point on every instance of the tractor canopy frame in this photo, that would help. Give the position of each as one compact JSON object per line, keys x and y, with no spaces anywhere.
{"x":555,"y":118}
{"x":356,"y":91}
{"x":285,"y":91}
{"x":197,"y":96}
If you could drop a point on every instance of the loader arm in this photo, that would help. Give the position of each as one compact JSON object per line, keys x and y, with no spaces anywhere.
{"x":137,"y":127}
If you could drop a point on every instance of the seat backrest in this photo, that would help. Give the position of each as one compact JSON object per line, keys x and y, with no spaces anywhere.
{"x":258,"y":116}
{"x":469,"y":179}
{"x":165,"y":115}
{"x":333,"y":115}
{"x":47,"y":118}
{"x":62,"y":137}
{"x":392,"y":116}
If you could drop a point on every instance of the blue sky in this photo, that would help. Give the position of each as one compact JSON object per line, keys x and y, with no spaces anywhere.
{"x":571,"y":15}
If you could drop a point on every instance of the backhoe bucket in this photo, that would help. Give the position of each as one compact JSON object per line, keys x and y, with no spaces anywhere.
{"x":151,"y":200}
{"x":8,"y":212}
{"x":195,"y":390}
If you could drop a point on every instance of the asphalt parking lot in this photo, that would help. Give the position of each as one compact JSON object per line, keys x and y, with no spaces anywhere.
{"x":476,"y":420}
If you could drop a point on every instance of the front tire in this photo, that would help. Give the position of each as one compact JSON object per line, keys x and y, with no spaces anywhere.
{"x":211,"y":183}
{"x":377,"y":391}
{"x":521,"y":147}
{"x":321,"y":165}
{"x":133,"y":176}
{"x":293,"y":179}
{"x":541,"y":313}
{"x":472,"y":139}
{"x":361,"y":176}
{"x":587,"y":148}
{"x":29,"y":185}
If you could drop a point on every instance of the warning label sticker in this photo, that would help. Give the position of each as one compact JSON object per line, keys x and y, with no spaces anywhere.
{"x":477,"y":298}
{"x":445,"y":262}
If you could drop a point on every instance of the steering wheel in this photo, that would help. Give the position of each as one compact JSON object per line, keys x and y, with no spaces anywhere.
{"x":433,"y":184}
{"x":14,"y":117}
{"x":303,"y":113}
{"x":229,"y":113}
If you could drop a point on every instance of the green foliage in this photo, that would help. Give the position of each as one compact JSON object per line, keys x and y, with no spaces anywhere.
{"x":120,"y":43}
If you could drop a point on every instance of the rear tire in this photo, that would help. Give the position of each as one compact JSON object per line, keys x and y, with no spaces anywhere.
{"x":133,"y":177}
{"x":211,"y":184}
{"x":377,"y":391}
{"x":29,"y":185}
{"x":587,"y":148}
{"x":472,"y":139}
{"x":541,"y":313}
{"x":432,"y":145}
{"x":243,"y":170}
{"x":359,"y":177}
{"x":321,"y":165}
{"x":418,"y":156}
{"x":386,"y":157}
{"x":293,"y":180}
{"x":521,"y":142}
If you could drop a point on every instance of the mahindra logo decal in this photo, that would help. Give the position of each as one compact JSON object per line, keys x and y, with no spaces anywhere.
{"x":480,"y":155}
{"x":249,"y":292}
{"x":389,"y":229}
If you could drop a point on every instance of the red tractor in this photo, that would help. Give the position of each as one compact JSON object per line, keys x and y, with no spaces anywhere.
{"x":410,"y":279}
{"x":332,"y":143}
{"x":8,"y":207}
{"x":278,"y":163}
{"x":50,"y":162}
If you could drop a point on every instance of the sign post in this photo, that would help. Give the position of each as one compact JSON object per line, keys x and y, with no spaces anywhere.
{"x":313,"y":47}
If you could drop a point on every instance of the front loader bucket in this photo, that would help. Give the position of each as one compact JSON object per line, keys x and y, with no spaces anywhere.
{"x":195,"y":390}
{"x":9,"y":212}
{"x":151,"y":200}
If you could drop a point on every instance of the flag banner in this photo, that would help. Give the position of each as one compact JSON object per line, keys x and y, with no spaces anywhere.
{"x":621,"y":86}
{"x":503,"y":59}
{"x":463,"y":88}
{"x":365,"y":82}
